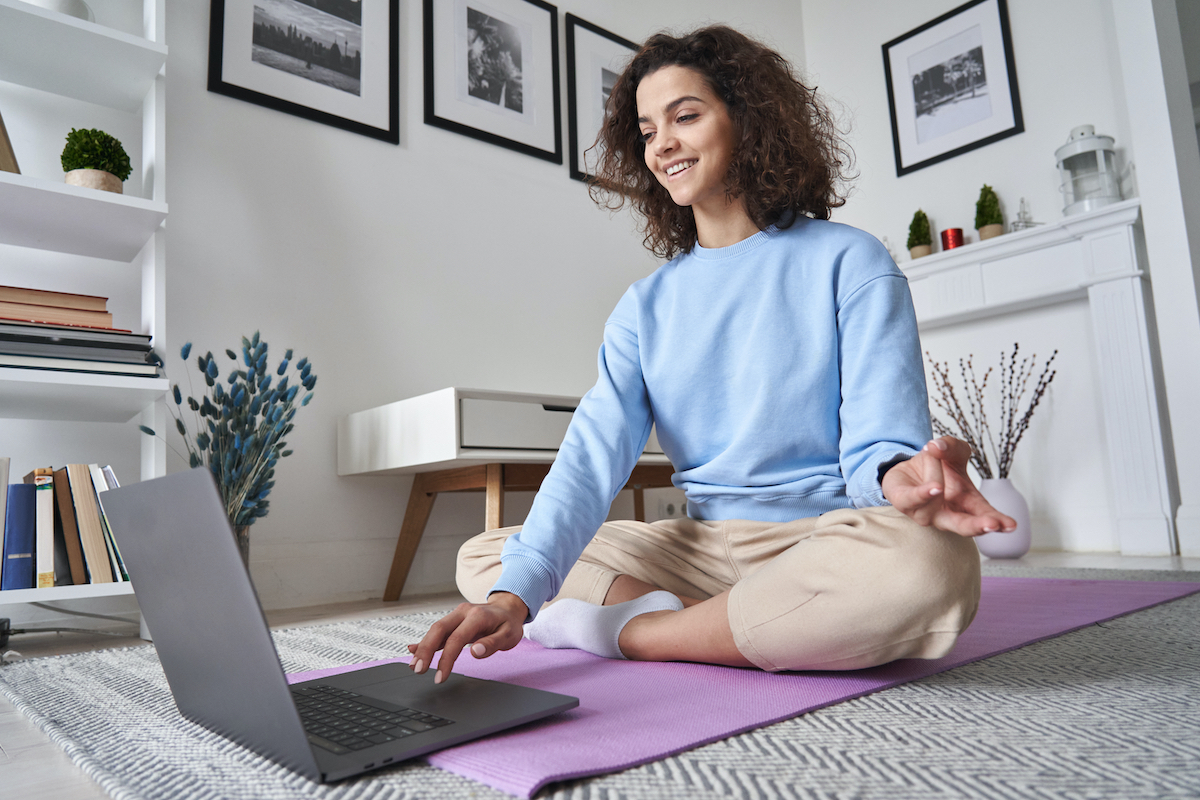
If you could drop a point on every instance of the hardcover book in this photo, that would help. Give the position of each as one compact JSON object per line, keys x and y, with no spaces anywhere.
{"x":42,"y":479}
{"x":19,"y":528}
{"x":87,"y":517}
{"x":55,"y":314}
{"x":78,"y":365}
{"x":114,"y":555}
{"x":69,"y":527}
{"x":41,"y":297}
{"x":5,"y":463}
{"x":71,"y":334}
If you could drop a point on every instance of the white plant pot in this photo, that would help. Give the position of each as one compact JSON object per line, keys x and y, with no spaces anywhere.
{"x":94,"y":179}
{"x":1007,"y":500}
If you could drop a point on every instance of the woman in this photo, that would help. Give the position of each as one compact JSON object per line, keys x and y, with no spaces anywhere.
{"x":777,"y":354}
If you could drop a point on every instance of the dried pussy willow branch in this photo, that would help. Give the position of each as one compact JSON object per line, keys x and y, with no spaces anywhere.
{"x":971,"y":425}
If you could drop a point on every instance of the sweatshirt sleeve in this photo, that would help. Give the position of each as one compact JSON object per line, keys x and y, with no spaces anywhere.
{"x":884,"y":414}
{"x":607,"y":434}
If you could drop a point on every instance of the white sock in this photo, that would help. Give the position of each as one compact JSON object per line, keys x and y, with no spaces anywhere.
{"x":575,"y":624}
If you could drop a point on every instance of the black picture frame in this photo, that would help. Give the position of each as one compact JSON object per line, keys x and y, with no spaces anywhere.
{"x":281,"y":71}
{"x":929,"y":71}
{"x":591,"y":50}
{"x":525,"y":113}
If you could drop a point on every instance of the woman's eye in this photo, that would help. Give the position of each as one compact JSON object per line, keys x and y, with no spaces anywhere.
{"x":687,"y":118}
{"x":645,"y":136}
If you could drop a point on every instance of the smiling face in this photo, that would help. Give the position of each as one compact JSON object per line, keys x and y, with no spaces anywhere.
{"x":689,"y":139}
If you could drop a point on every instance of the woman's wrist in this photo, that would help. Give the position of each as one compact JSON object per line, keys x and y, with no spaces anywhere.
{"x":511,"y":603}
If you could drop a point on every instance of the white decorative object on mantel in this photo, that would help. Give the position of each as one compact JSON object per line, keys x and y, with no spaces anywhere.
{"x":1093,"y":255}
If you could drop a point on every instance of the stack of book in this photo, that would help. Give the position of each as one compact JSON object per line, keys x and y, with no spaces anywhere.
{"x":67,"y":332}
{"x":55,"y":531}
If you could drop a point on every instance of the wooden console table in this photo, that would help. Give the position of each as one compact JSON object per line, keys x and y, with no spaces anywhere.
{"x":463,"y":440}
{"x":495,"y":479}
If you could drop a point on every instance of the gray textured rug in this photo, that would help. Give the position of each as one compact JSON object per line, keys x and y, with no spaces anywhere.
{"x":1109,"y":711}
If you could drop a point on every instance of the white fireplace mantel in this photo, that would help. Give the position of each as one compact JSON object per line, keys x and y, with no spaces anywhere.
{"x":1095,"y":256}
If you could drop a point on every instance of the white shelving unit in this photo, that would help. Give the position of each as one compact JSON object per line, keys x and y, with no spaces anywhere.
{"x":79,"y":60}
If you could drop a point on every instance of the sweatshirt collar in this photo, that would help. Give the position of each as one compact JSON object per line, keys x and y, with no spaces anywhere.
{"x":734,"y":250}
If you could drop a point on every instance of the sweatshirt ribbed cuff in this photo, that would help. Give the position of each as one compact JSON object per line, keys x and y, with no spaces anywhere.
{"x":528,"y":580}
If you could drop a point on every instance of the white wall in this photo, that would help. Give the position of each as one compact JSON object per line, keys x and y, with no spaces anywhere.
{"x":1069,"y":74}
{"x":1163,"y":129}
{"x":398,"y":270}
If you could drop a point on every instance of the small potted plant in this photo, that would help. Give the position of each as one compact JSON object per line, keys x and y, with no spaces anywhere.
{"x":989,"y":221}
{"x":920,"y":238}
{"x":96,"y":160}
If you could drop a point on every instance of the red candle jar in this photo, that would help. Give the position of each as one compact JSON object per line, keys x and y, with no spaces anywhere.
{"x":951,"y":238}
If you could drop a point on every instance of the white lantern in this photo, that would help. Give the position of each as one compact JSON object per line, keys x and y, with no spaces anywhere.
{"x":1088,"y":168}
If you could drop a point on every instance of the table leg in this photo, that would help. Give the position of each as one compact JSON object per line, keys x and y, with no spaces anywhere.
{"x":495,"y":497}
{"x":420,"y":503}
{"x":639,"y":503}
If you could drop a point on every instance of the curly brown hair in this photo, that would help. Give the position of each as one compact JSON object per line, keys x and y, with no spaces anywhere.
{"x":790,"y":159}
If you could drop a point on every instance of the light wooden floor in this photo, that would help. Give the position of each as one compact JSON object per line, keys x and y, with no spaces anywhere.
{"x":32,"y":767}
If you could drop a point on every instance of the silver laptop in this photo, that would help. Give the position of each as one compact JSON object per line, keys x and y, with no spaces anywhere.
{"x":216,"y":650}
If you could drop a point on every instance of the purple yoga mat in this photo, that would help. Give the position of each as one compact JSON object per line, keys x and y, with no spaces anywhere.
{"x":632,"y":712}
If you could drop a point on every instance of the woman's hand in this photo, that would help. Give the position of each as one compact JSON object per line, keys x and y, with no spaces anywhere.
{"x":933,"y":489}
{"x":495,"y":625}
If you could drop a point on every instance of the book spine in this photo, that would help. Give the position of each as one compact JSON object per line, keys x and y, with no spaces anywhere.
{"x":43,"y":482}
{"x":101,"y":486}
{"x":5,"y":465}
{"x":70,"y":529}
{"x":55,"y":314}
{"x":87,"y":516}
{"x":110,"y":478}
{"x":42,"y":297}
{"x":19,"y":530}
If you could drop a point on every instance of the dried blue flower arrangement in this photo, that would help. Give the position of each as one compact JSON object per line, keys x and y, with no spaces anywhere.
{"x":240,"y":429}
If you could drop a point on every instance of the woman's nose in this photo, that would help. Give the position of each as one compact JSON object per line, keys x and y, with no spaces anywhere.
{"x":664,"y":142}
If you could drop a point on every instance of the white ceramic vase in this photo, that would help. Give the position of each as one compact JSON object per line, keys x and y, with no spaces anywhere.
{"x":1006,"y":499}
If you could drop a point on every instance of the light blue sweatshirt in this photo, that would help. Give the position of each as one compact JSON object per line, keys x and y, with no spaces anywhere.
{"x":781,"y":372}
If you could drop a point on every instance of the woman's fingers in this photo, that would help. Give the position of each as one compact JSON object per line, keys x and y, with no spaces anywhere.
{"x":435,"y":639}
{"x":486,"y":627}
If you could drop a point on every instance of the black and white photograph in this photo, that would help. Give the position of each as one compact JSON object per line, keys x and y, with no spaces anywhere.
{"x":319,"y":40}
{"x":331,"y":61}
{"x":491,"y":73}
{"x":494,"y":61}
{"x":951,"y":93}
{"x":595,"y":59}
{"x":952,"y":85}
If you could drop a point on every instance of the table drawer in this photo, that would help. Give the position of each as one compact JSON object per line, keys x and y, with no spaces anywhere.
{"x":516,"y":425}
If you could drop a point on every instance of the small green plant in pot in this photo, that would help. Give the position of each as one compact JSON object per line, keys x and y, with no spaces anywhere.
{"x":920,"y":237}
{"x":96,"y":160}
{"x":989,"y":221}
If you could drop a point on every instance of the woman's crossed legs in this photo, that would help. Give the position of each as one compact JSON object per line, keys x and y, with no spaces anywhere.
{"x":846,"y":590}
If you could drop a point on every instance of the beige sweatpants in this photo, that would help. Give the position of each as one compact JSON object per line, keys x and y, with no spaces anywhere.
{"x":850,"y":589}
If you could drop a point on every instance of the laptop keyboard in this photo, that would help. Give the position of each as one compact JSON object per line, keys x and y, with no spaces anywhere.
{"x":341,"y":721}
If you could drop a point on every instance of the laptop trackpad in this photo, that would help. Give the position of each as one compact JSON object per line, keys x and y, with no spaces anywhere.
{"x":399,"y":685}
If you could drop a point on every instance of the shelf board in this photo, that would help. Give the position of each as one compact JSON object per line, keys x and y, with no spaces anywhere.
{"x":78,"y":396}
{"x":85,"y":590}
{"x":47,"y":215}
{"x":72,"y":57}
